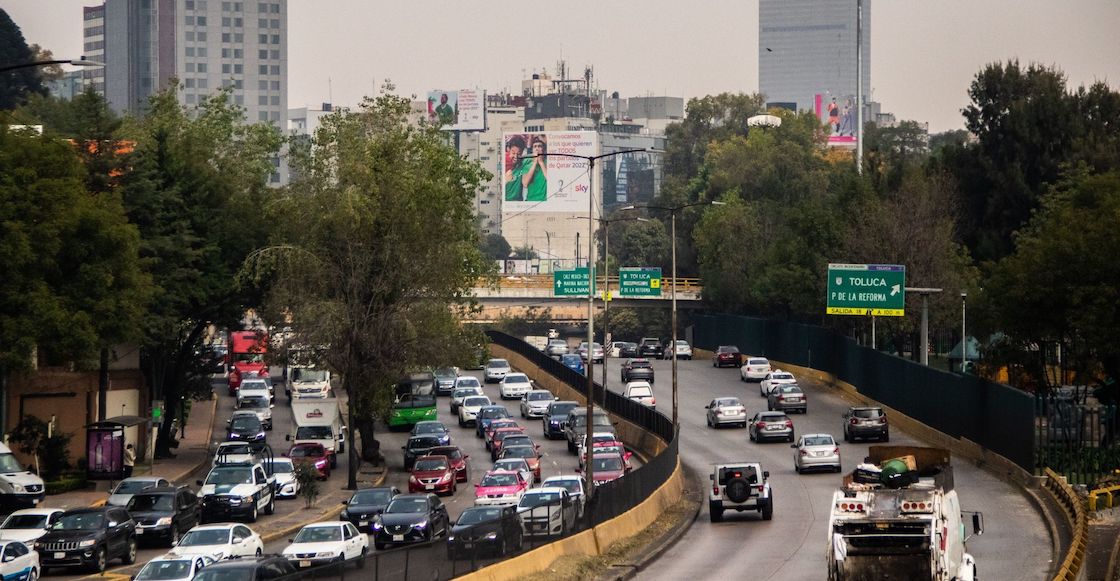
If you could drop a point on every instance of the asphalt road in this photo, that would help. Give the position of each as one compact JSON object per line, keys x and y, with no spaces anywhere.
{"x":1015,"y":544}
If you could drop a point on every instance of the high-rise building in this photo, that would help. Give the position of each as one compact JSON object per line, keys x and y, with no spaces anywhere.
{"x":807,"y":52}
{"x":93,"y":35}
{"x":205,"y":44}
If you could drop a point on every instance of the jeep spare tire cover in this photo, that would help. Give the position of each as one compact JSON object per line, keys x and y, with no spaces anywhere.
{"x":738,"y":490}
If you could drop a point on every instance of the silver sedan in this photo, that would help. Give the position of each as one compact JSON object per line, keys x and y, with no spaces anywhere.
{"x":816,"y":451}
{"x":726,"y":410}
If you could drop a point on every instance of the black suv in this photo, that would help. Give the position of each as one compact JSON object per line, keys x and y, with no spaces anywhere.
{"x":650,"y":346}
{"x":248,"y":569}
{"x":866,"y":422}
{"x":162,"y":514}
{"x":637,"y":369}
{"x":494,"y":529}
{"x":89,"y":538}
{"x":364,"y":506}
{"x":555,"y":417}
{"x":245,"y":428}
{"x":418,"y":446}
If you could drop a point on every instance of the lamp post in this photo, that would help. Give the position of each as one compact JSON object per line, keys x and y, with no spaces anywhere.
{"x":82,"y":62}
{"x":964,"y":336}
{"x":673,"y":242}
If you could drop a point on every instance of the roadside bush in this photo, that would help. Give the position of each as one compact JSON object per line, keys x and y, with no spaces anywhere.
{"x":308,"y":479}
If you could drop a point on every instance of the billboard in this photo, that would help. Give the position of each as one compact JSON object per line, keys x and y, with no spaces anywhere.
{"x":839,"y":113}
{"x":462,"y":110}
{"x":534,"y":181}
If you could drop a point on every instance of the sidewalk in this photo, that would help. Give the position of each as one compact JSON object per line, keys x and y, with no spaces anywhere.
{"x":193,"y":451}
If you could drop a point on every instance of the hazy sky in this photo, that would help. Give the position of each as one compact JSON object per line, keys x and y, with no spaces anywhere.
{"x":923,"y":53}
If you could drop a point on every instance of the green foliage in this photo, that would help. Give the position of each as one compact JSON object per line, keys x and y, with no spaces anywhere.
{"x":534,"y":321}
{"x":495,"y":247}
{"x":16,"y":85}
{"x":52,"y":454}
{"x":308,"y":479}
{"x":524,"y":253}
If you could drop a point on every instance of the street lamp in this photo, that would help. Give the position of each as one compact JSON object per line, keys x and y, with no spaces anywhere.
{"x":964,"y":337}
{"x":673,"y":240}
{"x":82,"y":62}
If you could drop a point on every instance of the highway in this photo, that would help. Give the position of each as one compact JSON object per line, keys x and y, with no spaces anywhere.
{"x":1015,"y":544}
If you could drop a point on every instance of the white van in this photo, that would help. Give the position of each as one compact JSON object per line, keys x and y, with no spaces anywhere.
{"x":18,"y":486}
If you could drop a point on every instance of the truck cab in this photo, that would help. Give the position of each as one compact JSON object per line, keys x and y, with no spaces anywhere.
{"x":247,"y":353}
{"x":319,"y":422}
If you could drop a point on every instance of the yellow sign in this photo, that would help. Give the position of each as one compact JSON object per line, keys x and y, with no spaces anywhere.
{"x":655,"y":283}
{"x":868,"y":312}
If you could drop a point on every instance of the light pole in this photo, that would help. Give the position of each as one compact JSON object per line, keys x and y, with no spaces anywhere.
{"x":82,"y":62}
{"x":964,"y":336}
{"x":673,"y":242}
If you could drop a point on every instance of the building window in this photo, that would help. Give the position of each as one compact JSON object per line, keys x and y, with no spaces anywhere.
{"x":238,"y":69}
{"x":201,"y":37}
{"x":262,"y":116}
{"x":275,"y":8}
{"x":190,"y":35}
{"x":238,"y":53}
{"x":227,"y":21}
{"x":190,"y":51}
{"x":238,"y":38}
{"x":274,"y":100}
{"x":262,"y":100}
{"x":262,"y":69}
{"x":275,"y":115}
{"x":276,"y":39}
{"x":262,"y":39}
{"x":262,"y":53}
{"x":190,"y":21}
{"x":238,"y":84}
{"x":275,"y":55}
{"x":189,"y":83}
{"x":225,"y":68}
{"x":225,"y":37}
{"x":225,"y":6}
{"x":274,"y":23}
{"x":225,"y":51}
{"x":203,"y":84}
{"x":190,"y":4}
{"x":238,"y":23}
{"x":239,"y":99}
{"x":201,"y":21}
{"x":262,"y":7}
{"x":190,"y":67}
{"x":275,"y":85}
{"x":192,"y":98}
{"x":262,"y":85}
{"x":202,"y":67}
{"x":274,"y":70}
{"x":202,"y":51}
{"x":237,"y":6}
{"x":262,"y":23}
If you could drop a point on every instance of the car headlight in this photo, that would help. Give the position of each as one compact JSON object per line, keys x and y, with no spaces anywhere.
{"x":446,"y":477}
{"x":412,"y":478}
{"x":376,"y":525}
{"x":87,"y":543}
{"x":345,"y":514}
{"x":247,"y":498}
{"x":491,"y":536}
{"x":235,"y":500}
{"x":163,"y":521}
{"x":17,"y":488}
{"x":420,"y":525}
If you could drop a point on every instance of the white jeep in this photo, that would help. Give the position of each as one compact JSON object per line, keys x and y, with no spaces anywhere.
{"x":740,"y":486}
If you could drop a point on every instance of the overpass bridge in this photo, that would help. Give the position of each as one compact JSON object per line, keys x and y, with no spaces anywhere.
{"x":515,"y":294}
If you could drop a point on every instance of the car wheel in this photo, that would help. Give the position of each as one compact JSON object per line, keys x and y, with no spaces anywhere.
{"x":503,"y":550}
{"x":461,"y":423}
{"x":253,"y":514}
{"x":715,"y":511}
{"x":33,"y":575}
{"x":750,"y":435}
{"x":334,"y":461}
{"x":129,"y":556}
{"x":259,"y":552}
{"x":99,"y":562}
{"x":768,"y":509}
{"x":174,"y":535}
{"x":790,"y":438}
{"x":796,"y":468}
{"x":847,"y":438}
{"x":360,"y":562}
{"x":271,"y":508}
{"x":886,"y":436}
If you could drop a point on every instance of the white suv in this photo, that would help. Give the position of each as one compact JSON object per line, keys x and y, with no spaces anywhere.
{"x":496,"y":370}
{"x":740,"y":486}
{"x":682,"y":350}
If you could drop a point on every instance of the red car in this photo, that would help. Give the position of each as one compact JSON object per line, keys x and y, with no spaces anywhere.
{"x":529,"y":453}
{"x":314,"y":455}
{"x":499,"y":436}
{"x":608,"y":447}
{"x":457,"y":459}
{"x":607,"y":467}
{"x":727,"y":355}
{"x":494,"y":426}
{"x":432,"y":474}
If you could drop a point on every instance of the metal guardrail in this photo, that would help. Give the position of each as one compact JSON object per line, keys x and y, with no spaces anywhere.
{"x":1074,"y":561}
{"x":1109,"y":492}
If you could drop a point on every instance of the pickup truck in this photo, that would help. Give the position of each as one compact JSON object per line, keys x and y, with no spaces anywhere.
{"x":740,"y":486}
{"x":236,"y":491}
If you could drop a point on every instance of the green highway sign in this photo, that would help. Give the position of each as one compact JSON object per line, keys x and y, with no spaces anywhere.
{"x":641,"y":281}
{"x":571,"y":283}
{"x":866,"y":289}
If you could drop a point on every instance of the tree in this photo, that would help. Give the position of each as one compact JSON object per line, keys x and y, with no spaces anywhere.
{"x":495,"y":247}
{"x":197,"y":192}
{"x":16,"y":85}
{"x":49,"y":72}
{"x":354,"y":259}
{"x":891,"y":151}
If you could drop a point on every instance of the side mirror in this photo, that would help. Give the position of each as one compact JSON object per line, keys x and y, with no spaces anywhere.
{"x":346,"y":502}
{"x":198,"y":482}
{"x":579,"y":470}
{"x":707,"y":407}
{"x":404,"y":447}
{"x":793,"y":445}
{"x":766,"y":474}
{"x":711,"y":477}
{"x":237,"y":540}
{"x":466,"y":456}
{"x":271,"y":405}
{"x":9,"y":558}
{"x":287,"y":437}
{"x":113,"y":523}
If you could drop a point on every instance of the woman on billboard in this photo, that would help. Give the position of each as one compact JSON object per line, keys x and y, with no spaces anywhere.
{"x":534,"y":177}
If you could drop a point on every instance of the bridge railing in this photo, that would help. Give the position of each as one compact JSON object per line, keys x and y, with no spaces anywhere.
{"x":684,"y":284}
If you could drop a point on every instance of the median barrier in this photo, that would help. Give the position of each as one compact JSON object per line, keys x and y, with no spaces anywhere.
{"x":1073,"y":565}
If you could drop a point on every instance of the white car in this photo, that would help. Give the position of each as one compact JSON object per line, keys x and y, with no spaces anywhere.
{"x":546,"y":512}
{"x":255,"y":387}
{"x":535,"y":403}
{"x":28,"y":524}
{"x":309,"y":383}
{"x":774,"y":379}
{"x":816,"y":451}
{"x":231,"y":453}
{"x":18,"y":562}
{"x":641,"y":392}
{"x":172,"y":568}
{"x":573,"y":483}
{"x":726,"y":410}
{"x":327,"y":542}
{"x":682,"y":351}
{"x":496,"y":370}
{"x":462,"y":392}
{"x":754,"y":369}
{"x":516,"y":465}
{"x":515,"y":385}
{"x":132,"y":485}
{"x":282,"y":468}
{"x":468,"y":410}
{"x":219,"y":541}
{"x":257,"y":405}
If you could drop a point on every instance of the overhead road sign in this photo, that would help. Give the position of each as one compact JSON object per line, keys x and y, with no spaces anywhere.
{"x":571,"y":283}
{"x":866,"y":289}
{"x":642,"y":281}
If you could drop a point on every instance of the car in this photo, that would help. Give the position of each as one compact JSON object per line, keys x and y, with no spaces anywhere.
{"x":575,"y":427}
{"x":234,"y":491}
{"x":231,"y":453}
{"x":248,"y":569}
{"x":770,"y":426}
{"x":256,"y":387}
{"x":257,"y":405}
{"x":614,"y":447}
{"x":172,"y":568}
{"x":727,"y":355}
{"x":520,"y":465}
{"x":432,"y":428}
{"x":740,"y":486}
{"x":445,"y":380}
{"x":642,"y":392}
{"x":547,"y":512}
{"x":755,"y":369}
{"x":514,"y":385}
{"x":497,"y":439}
{"x":573,"y":483}
{"x":245,"y":428}
{"x":555,"y":416}
{"x":418,"y":446}
{"x":364,"y":505}
{"x":788,"y":398}
{"x":283,"y":470}
{"x":496,"y":370}
{"x":621,"y":349}
{"x":726,"y":410}
{"x":634,"y":369}
{"x":411,"y":518}
{"x":468,"y":410}
{"x":773,"y":379}
{"x":219,"y":541}
{"x":465,"y":386}
{"x":494,"y":425}
{"x":18,"y":562}
{"x":411,"y":408}
{"x":308,"y":383}
{"x":485,"y":529}
{"x":28,"y":524}
{"x":866,"y":422}
{"x":534,"y":403}
{"x":606,"y":467}
{"x":682,"y":350}
{"x":89,"y":538}
{"x":556,"y":348}
{"x":488,"y":414}
{"x":816,"y":451}
{"x":530,"y":453}
{"x":602,"y":439}
{"x":163,"y":514}
{"x":312,"y":455}
{"x":500,"y":487}
{"x":124,"y":490}
{"x":574,"y":362}
{"x":460,"y":462}
{"x":432,"y":474}
{"x":596,"y":352}
{"x":650,"y":347}
{"x":327,"y":542}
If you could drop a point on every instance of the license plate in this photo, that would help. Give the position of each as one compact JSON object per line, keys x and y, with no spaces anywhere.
{"x":364,"y":523}
{"x":60,"y":555}
{"x":429,"y":487}
{"x":774,"y":428}
{"x":305,"y":563}
{"x":35,"y":501}
{"x":398,"y":538}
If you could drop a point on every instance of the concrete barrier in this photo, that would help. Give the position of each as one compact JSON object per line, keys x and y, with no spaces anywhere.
{"x":1073,"y":565}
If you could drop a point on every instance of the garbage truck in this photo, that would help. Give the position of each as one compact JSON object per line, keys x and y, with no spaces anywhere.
{"x":897,"y":517}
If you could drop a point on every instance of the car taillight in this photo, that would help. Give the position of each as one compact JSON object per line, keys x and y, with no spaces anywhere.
{"x":836,"y":450}
{"x":715,"y":489}
{"x":789,"y":423}
{"x":653,"y":400}
{"x":882,"y":419}
{"x":853,"y":421}
{"x":761,"y":424}
{"x":781,"y":398}
{"x":944,"y":535}
{"x":804,"y":452}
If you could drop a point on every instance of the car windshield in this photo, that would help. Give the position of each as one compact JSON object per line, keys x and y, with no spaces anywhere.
{"x":519,"y":452}
{"x":819,"y":441}
{"x":452,"y":453}
{"x":539,"y":396}
{"x":512,"y":465}
{"x":640,"y":391}
{"x":499,"y":480}
{"x":572,"y":486}
{"x":408,"y":505}
{"x":230,"y":449}
{"x":8,"y":463}
{"x":372,"y":497}
{"x":158,"y":570}
{"x":790,"y":389}
{"x":517,"y":378}
{"x":868,"y":413}
{"x":133,"y":486}
{"x":422,"y":442}
{"x":314,"y":433}
{"x":601,"y":420}
{"x":230,"y":475}
{"x":253,"y":385}
{"x":493,"y":413}
{"x":306,"y":451}
{"x":532,"y":499}
{"x":477,"y":515}
{"x":682,"y":343}
{"x":204,"y":537}
{"x":429,"y":428}
{"x":151,"y":502}
{"x":303,"y":375}
{"x":278,"y":467}
{"x":497,"y":363}
{"x":729,"y":349}
{"x":609,"y":463}
{"x":248,"y":357}
{"x":781,"y":376}
{"x":254,"y":402}
{"x":82,"y":521}
{"x":319,"y":535}
{"x":468,"y":382}
{"x":728,"y":401}
{"x":25,"y":521}
{"x":422,"y":465}
{"x":758,"y":362}
{"x":245,"y":423}
{"x":476,"y":401}
{"x":572,"y":359}
{"x":444,"y":372}
{"x":562,"y":409}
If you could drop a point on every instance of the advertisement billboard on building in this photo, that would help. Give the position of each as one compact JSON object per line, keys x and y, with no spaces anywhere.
{"x":462,"y":110}
{"x":839,"y":113}
{"x":534,"y":181}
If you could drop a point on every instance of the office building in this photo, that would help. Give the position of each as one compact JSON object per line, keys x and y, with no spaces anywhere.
{"x":93,"y":36}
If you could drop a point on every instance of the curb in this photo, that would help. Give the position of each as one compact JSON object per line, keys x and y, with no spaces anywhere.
{"x":1043,"y":509}
{"x":667,"y":541}
{"x":281,"y":533}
